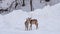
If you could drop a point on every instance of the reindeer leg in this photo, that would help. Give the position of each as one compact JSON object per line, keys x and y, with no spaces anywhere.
{"x":31,"y":27}
{"x":36,"y":26}
{"x":25,"y":27}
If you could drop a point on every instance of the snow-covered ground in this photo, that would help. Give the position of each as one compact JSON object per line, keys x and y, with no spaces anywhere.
{"x":48,"y":19}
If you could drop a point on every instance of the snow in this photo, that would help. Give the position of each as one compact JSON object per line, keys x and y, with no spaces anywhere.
{"x":48,"y":19}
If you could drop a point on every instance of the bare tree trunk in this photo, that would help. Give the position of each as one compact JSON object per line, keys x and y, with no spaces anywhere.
{"x":16,"y":3}
{"x":31,"y":5}
{"x":23,"y":3}
{"x":47,"y":0}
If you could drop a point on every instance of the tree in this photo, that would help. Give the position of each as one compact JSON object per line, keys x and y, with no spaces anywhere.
{"x":23,"y":3}
{"x":47,"y":0}
{"x":31,"y":5}
{"x":44,"y":0}
{"x":16,"y":3}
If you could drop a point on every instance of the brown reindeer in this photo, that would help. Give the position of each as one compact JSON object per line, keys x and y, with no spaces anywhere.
{"x":31,"y":22}
{"x":27,"y":24}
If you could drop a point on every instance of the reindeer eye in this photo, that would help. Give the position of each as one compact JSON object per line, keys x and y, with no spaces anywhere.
{"x":47,"y":0}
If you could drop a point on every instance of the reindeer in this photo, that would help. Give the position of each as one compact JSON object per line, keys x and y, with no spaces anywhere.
{"x":31,"y":22}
